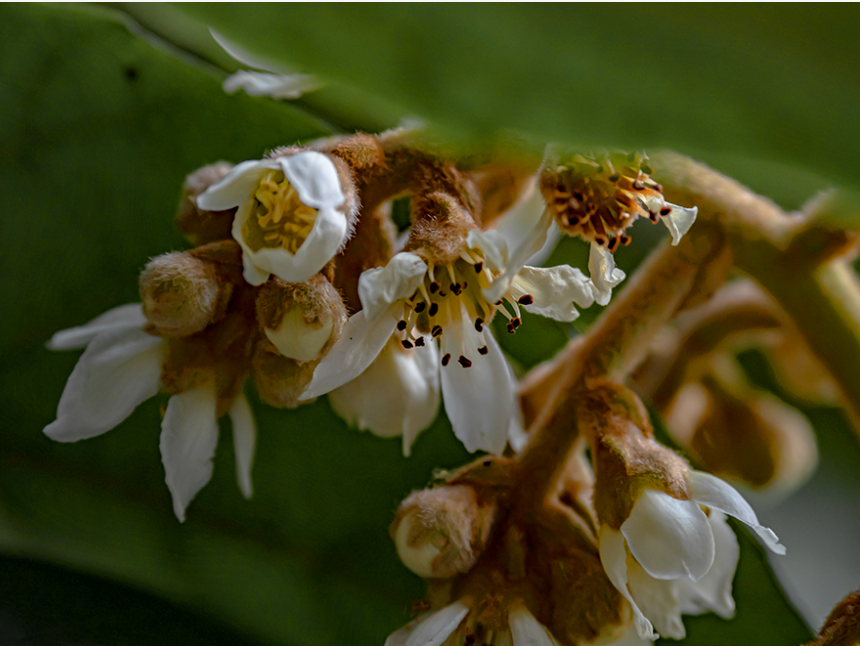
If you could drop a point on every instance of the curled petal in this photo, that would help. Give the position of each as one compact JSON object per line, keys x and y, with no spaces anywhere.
{"x":435,"y":628}
{"x":378,"y":288}
{"x":398,"y":394}
{"x":604,"y":274}
{"x":360,"y":342}
{"x":244,"y":442}
{"x":237,"y":186}
{"x":712,"y":492}
{"x":714,"y":591}
{"x":678,"y":221}
{"x":119,"y":318}
{"x":526,"y":630}
{"x":277,"y":86}
{"x":658,"y":600}
{"x":479,"y":399}
{"x":492,"y":244}
{"x":670,"y":538}
{"x":555,"y":290}
{"x":613,"y":556}
{"x":523,"y":221}
{"x":118,"y":370}
{"x":189,"y":435}
{"x":315,"y":179}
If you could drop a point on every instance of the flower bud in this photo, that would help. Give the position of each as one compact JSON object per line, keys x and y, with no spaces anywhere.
{"x":441,"y":532}
{"x":280,"y":381}
{"x":198,"y":225}
{"x":302,"y":320}
{"x":180,"y":293}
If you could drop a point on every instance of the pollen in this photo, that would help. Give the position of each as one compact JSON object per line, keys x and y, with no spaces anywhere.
{"x":598,"y":196}
{"x":278,"y":219}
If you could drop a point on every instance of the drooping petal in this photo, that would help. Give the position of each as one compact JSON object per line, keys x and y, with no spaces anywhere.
{"x":398,"y":394}
{"x":658,"y":600}
{"x":189,"y":435}
{"x":604,"y":274}
{"x":315,"y":179}
{"x":532,"y":243}
{"x":670,"y":538}
{"x":277,"y":86}
{"x":244,"y":442}
{"x":244,"y":56}
{"x":360,"y":342}
{"x":237,"y":186}
{"x":555,"y":290}
{"x":436,"y":628}
{"x":491,"y":244}
{"x":526,"y":630}
{"x":712,"y":492}
{"x":323,"y":242}
{"x":679,"y":219}
{"x":118,"y":370}
{"x":479,"y":399}
{"x":613,"y":556}
{"x":713,"y":593}
{"x":119,"y":318}
{"x":379,"y":287}
{"x":518,"y":223}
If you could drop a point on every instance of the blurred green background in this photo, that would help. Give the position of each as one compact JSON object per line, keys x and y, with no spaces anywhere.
{"x":105,"y":109}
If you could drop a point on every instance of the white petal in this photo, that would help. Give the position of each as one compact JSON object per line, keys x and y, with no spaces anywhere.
{"x":555,"y":290}
{"x":613,"y":556}
{"x":670,"y":538}
{"x":553,"y":235}
{"x":629,"y":638}
{"x":712,"y":492}
{"x":479,"y":400}
{"x":658,"y":600}
{"x":323,"y":242}
{"x":315,"y":179}
{"x":118,"y":370}
{"x":360,"y":342}
{"x":244,"y":442}
{"x":492,"y":245}
{"x":532,"y":243}
{"x":119,"y":318}
{"x":399,"y":637}
{"x":244,"y":56}
{"x":526,"y":630}
{"x":436,"y":628}
{"x":237,"y":187}
{"x":604,"y":274}
{"x":679,"y":220}
{"x":398,"y":394}
{"x":518,"y":223}
{"x":378,"y":288}
{"x":714,"y":591}
{"x":189,"y":435}
{"x":277,"y":86}
{"x":517,"y":436}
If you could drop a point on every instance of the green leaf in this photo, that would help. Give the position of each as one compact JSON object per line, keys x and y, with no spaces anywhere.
{"x":770,"y":82}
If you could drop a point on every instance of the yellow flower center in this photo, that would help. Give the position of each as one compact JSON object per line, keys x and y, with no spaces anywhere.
{"x":278,"y":218}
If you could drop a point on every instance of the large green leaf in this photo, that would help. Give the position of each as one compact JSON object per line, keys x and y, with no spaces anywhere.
{"x":97,"y":129}
{"x":772,"y":82}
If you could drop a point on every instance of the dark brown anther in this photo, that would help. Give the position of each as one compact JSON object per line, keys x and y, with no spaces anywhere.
{"x":511,"y":329}
{"x":419,"y":342}
{"x":479,"y":324}
{"x":625,"y":240}
{"x":578,"y":196}
{"x":573,"y":219}
{"x":498,"y":302}
{"x":516,"y":322}
{"x":445,"y":360}
{"x":615,"y":177}
{"x":652,"y":216}
{"x":434,"y":307}
{"x":420,"y":307}
{"x":526,"y":300}
{"x":443,"y":294}
{"x":406,"y":343}
{"x":665,"y":210}
{"x":465,"y":284}
{"x":484,"y":350}
{"x":463,"y":361}
{"x":456,"y":288}
{"x":471,"y":639}
{"x":613,"y":244}
{"x":434,"y":287}
{"x":638,"y":185}
{"x":600,"y":240}
{"x":401,"y":325}
{"x":436,"y":331}
{"x":479,"y":267}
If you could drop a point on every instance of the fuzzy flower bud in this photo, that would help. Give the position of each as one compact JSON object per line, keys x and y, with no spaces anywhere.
{"x":180,"y":293}
{"x":302,"y":320}
{"x":441,"y":532}
{"x":199,"y":225}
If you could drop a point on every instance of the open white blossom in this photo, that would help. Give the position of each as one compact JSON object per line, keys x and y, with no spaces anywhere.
{"x":418,"y":302}
{"x":288,"y":222}
{"x":670,"y":557}
{"x":121,"y":368}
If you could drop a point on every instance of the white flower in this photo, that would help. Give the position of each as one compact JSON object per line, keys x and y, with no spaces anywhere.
{"x":669,"y":557}
{"x":121,"y":368}
{"x":678,"y":219}
{"x":604,"y":274}
{"x":418,"y":302}
{"x":452,"y":626}
{"x":288,"y":223}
